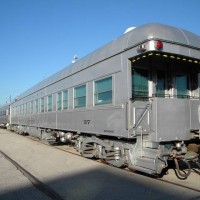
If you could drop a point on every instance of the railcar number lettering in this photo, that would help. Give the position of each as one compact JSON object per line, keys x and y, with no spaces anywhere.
{"x":86,"y":122}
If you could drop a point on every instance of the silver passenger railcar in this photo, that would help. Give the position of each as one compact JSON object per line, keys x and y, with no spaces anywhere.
{"x":4,"y":115}
{"x":134,"y":102}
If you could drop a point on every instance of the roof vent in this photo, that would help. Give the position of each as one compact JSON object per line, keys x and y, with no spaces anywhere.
{"x":129,"y":29}
{"x":74,"y":59}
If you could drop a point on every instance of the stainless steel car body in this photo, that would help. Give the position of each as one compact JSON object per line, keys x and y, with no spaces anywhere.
{"x":145,"y":123}
{"x":4,"y":115}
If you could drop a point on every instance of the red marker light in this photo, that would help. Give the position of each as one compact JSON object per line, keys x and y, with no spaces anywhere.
{"x":159,"y":45}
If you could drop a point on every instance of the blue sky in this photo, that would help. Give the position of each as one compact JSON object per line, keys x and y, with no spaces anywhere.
{"x":40,"y":37}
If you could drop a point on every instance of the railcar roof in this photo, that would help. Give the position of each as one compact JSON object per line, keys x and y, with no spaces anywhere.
{"x":128,"y":40}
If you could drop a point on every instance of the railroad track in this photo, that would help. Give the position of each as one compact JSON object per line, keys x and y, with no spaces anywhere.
{"x":36,"y":182}
{"x":69,"y":149}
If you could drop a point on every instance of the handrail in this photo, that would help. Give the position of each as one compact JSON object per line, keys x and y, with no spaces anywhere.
{"x":146,"y":97}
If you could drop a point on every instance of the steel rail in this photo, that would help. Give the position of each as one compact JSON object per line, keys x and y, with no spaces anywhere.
{"x":72,"y":151}
{"x":36,"y":182}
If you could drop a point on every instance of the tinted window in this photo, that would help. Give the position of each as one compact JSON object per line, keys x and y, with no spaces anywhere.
{"x":140,"y":83}
{"x":80,"y":96}
{"x":103,"y":91}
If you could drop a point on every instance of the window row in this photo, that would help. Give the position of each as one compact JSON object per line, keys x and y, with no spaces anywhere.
{"x":103,"y":93}
{"x":184,"y":85}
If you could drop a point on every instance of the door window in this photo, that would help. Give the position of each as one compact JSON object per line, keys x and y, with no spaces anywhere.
{"x":140,"y":83}
{"x":182,"y":85}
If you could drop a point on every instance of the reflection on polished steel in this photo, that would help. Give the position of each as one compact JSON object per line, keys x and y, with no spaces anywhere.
{"x":134,"y":102}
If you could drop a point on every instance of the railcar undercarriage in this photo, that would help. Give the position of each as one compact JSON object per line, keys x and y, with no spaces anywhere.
{"x":135,"y":154}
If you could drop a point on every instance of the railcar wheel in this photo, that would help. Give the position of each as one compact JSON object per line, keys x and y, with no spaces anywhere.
{"x":114,"y":157}
{"x":88,"y":150}
{"x":116,"y":163}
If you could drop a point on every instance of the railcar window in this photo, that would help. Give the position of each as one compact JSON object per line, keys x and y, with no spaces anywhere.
{"x":182,"y":85}
{"x":27,"y":108}
{"x":20,"y":109}
{"x":31,"y":107}
{"x":103,"y":91}
{"x":194,"y":85}
{"x":160,"y":84}
{"x":42,"y":104}
{"x":162,"y":75}
{"x":36,"y":105}
{"x":140,"y":83}
{"x":80,"y":96}
{"x":65,"y":99}
{"x":23,"y":109}
{"x":49,"y":99}
{"x":59,"y":101}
